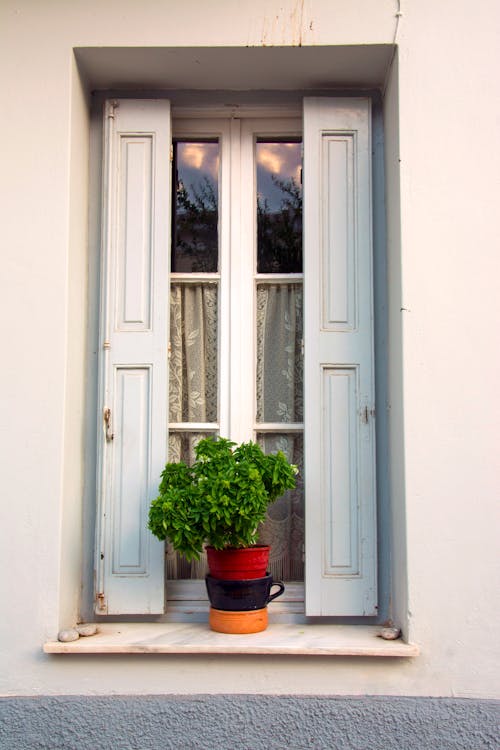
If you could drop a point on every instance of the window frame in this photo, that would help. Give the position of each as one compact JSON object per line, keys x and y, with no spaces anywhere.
{"x":380,"y":291}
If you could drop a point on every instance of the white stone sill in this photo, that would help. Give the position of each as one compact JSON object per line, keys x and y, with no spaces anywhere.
{"x":197,"y":638}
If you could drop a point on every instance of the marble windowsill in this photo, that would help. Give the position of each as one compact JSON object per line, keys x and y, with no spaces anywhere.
{"x":196,"y":638}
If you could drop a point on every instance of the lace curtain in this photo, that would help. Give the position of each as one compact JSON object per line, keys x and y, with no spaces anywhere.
{"x":192,"y":385}
{"x":193,"y":398}
{"x":280,"y":398}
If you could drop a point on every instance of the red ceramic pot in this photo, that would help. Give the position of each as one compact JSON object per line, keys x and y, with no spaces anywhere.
{"x":233,"y":563}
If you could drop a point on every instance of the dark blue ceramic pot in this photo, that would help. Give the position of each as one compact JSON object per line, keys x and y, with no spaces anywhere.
{"x":242,"y":595}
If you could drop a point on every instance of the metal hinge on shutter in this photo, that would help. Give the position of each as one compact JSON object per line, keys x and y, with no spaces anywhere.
{"x":366,"y":413}
{"x":107,"y":422}
{"x":102,"y":605}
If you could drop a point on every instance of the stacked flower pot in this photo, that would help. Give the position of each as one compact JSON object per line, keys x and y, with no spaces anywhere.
{"x":239,"y":589}
{"x":220,"y":500}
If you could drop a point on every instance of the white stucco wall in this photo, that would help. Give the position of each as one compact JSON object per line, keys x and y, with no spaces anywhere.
{"x":442,"y":115}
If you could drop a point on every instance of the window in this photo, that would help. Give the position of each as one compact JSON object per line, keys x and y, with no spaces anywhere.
{"x":235,"y":350}
{"x":228,"y":255}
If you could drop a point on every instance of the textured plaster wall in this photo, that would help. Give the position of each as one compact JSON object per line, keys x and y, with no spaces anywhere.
{"x":247,"y":723}
{"x":449,"y":186}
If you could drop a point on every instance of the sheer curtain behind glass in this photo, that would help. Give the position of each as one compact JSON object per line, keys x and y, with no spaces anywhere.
{"x":193,"y":398}
{"x":193,"y":383}
{"x":280,"y":399}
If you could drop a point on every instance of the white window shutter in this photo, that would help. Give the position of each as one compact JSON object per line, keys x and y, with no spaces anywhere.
{"x":133,"y":354}
{"x":341,"y":574}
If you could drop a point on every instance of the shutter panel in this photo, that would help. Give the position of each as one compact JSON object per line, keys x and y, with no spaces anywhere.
{"x":133,"y":349}
{"x":341,"y":574}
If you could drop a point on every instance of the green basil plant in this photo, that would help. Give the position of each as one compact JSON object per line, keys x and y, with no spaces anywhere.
{"x":221,"y":499}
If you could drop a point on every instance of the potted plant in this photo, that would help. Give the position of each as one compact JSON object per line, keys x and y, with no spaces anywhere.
{"x":220,"y":501}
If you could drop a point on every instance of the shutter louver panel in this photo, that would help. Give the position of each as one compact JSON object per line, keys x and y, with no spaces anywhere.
{"x":133,"y":366}
{"x":341,"y":576}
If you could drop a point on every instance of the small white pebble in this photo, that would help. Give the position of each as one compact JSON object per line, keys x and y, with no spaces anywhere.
{"x":87,"y":628}
{"x":390,"y":634}
{"x":68,"y":635}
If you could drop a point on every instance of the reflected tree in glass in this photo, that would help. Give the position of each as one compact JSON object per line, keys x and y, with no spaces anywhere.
{"x":195,"y":216}
{"x":279,"y":207}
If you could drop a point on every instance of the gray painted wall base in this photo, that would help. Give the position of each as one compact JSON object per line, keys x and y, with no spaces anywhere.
{"x":247,"y":722}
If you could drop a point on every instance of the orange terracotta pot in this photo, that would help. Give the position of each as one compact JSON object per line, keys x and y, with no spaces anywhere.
{"x":251,"y":621}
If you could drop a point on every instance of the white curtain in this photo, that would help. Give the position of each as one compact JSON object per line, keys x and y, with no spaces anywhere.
{"x":193,"y":386}
{"x":280,"y":399}
{"x":279,"y":391}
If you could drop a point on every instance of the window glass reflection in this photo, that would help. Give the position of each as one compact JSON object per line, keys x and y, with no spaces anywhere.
{"x":279,"y":206}
{"x":195,"y":210}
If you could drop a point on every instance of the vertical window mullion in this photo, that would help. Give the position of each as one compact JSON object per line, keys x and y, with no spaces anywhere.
{"x":225,"y":239}
{"x":242,"y":264}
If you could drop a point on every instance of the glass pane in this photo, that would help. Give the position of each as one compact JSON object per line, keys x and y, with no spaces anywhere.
{"x":280,"y":371}
{"x":195,"y":212}
{"x":284,"y":527}
{"x":279,"y":207}
{"x":193,"y":367}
